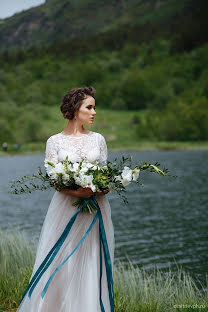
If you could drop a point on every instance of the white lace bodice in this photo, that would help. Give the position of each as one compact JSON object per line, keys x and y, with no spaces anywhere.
{"x":91,"y":145}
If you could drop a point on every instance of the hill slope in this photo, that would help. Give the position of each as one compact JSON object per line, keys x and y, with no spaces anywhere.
{"x":63,"y":19}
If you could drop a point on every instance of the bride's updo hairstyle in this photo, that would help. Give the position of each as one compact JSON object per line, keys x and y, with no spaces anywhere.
{"x":72,"y":100}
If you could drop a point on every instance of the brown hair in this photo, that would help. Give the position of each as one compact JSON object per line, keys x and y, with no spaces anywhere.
{"x":72,"y":100}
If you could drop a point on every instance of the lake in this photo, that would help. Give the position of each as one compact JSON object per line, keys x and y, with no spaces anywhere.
{"x":165,"y":223}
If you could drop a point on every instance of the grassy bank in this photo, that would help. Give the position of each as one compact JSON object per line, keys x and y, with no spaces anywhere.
{"x":120,"y":129}
{"x":135,"y":289}
{"x":128,"y":146}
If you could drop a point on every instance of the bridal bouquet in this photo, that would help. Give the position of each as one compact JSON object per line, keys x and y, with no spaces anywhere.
{"x":112,"y":176}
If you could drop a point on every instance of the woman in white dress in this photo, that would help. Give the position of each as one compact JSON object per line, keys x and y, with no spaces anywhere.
{"x":80,"y":285}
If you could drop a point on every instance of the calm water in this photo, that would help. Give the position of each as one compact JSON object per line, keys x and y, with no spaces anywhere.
{"x":165,"y":223}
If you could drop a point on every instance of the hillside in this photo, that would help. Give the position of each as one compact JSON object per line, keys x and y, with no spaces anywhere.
{"x":58,"y":20}
{"x":170,"y":91}
{"x":156,"y":69}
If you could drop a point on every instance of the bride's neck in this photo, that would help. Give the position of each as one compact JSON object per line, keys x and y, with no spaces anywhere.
{"x":74,"y":127}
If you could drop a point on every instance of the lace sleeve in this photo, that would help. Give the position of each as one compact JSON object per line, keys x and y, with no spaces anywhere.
{"x":103,"y":149}
{"x":51,"y":152}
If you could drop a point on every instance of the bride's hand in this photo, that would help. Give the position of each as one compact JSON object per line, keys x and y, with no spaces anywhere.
{"x":83,"y":192}
{"x":80,"y":192}
{"x":87,"y":192}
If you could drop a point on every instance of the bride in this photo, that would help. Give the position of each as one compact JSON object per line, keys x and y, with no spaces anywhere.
{"x":77,"y":285}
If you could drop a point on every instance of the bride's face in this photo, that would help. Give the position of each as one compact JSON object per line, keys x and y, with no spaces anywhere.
{"x":86,"y":112}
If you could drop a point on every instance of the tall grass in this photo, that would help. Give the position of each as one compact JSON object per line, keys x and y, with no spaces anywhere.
{"x":140,"y":291}
{"x":136,"y":290}
{"x":16,"y":263}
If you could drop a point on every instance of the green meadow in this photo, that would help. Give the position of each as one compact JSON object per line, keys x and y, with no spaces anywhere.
{"x":120,"y":129}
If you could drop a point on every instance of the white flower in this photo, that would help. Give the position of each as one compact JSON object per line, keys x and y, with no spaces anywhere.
{"x":59,"y":168}
{"x":124,"y":182}
{"x":135,"y":174}
{"x":126,"y":176}
{"x":48,"y":164}
{"x":65,"y":178}
{"x":83,"y":180}
{"x":93,"y":187}
{"x":88,"y":165}
{"x":52,"y":173}
{"x":75,"y":166}
{"x":85,"y":167}
{"x":94,"y":167}
{"x":83,"y":170}
{"x":126,"y":173}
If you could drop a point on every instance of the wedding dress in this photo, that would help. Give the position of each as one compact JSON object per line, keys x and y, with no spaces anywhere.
{"x":76,"y":286}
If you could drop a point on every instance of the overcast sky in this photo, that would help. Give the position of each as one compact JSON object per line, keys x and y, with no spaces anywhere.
{"x":10,"y":7}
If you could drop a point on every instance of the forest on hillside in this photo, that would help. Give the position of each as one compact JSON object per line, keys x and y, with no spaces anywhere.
{"x":171,"y":89}
{"x":161,"y":73}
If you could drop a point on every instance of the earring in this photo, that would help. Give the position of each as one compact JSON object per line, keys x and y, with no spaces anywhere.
{"x":75,"y":117}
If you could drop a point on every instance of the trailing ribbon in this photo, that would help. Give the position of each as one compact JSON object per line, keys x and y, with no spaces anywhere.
{"x":54,"y":250}
{"x":108,"y":266}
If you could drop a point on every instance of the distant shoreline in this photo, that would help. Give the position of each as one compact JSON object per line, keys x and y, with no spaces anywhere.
{"x":39,"y":148}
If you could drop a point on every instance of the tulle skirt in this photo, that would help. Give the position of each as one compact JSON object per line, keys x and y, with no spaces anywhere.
{"x":76,"y":285}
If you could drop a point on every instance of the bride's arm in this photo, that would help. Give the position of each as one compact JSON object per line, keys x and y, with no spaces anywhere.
{"x":51,"y":151}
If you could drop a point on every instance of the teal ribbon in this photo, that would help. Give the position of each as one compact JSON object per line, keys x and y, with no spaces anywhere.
{"x":103,"y":241}
{"x":54,"y":250}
